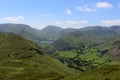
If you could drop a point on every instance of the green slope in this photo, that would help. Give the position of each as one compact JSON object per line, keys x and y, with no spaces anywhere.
{"x":21,"y":60}
{"x":111,"y":47}
{"x":107,"y":72}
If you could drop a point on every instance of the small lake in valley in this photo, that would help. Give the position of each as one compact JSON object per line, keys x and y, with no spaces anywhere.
{"x":47,"y":41}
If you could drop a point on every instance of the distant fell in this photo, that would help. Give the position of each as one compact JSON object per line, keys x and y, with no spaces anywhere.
{"x":52,"y":32}
{"x":22,"y":29}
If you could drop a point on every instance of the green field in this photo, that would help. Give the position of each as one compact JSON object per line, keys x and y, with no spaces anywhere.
{"x":67,"y":54}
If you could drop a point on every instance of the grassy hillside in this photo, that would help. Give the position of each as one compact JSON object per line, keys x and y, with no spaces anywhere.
{"x":21,"y":60}
{"x":107,"y":72}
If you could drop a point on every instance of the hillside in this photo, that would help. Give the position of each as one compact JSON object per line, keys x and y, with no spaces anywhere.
{"x":111,"y":47}
{"x":21,"y":60}
{"x":21,"y":29}
{"x":51,"y":32}
{"x":90,"y":35}
{"x":107,"y":72}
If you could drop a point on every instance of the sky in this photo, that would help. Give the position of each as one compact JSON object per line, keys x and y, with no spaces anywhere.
{"x":63,"y":13}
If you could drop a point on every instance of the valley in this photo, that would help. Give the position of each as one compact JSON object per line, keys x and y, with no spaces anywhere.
{"x":59,"y":39}
{"x":81,"y":54}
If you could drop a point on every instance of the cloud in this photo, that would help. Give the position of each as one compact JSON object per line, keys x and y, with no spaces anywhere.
{"x":59,"y":22}
{"x":68,"y":12}
{"x":64,"y":24}
{"x":46,"y":15}
{"x":103,"y":5}
{"x":119,"y":5}
{"x":85,"y":9}
{"x":72,"y":22}
{"x":82,"y":0}
{"x":39,"y":26}
{"x":13,"y":19}
{"x":110,"y":22}
{"x":83,"y":21}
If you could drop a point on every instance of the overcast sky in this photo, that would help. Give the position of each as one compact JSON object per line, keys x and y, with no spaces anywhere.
{"x":63,"y":13}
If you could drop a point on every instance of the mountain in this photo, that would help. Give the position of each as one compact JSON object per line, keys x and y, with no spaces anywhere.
{"x":52,"y":32}
{"x":25,"y":30}
{"x":21,"y":60}
{"x":114,"y":27}
{"x":91,"y":35}
{"x":97,"y":33}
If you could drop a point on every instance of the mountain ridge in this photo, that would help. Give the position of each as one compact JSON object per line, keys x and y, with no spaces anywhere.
{"x":50,"y":32}
{"x":21,"y":29}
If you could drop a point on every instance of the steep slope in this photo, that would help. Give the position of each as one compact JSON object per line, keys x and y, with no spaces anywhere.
{"x":21,"y":60}
{"x":111,"y":47}
{"x":21,"y":29}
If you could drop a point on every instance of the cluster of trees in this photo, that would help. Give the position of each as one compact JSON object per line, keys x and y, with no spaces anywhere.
{"x":83,"y":61}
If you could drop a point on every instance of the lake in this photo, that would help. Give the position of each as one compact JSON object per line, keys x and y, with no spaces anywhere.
{"x":47,"y":41}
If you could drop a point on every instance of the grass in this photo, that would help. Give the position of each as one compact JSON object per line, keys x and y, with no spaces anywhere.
{"x":43,"y":68}
{"x":106,"y":72}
